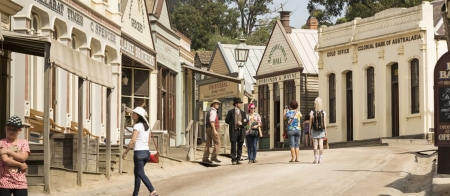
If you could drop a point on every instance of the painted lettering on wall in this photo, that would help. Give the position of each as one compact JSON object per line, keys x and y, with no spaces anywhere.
{"x":445,"y":74}
{"x":137,"y":52}
{"x":138,"y":25}
{"x":338,"y":52}
{"x":390,"y":42}
{"x":278,"y":60}
{"x":75,"y":17}
{"x":103,"y":32}
{"x":54,"y":5}
{"x":274,"y":79}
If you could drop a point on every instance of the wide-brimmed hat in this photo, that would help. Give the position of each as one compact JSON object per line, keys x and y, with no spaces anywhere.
{"x":141,"y":112}
{"x":15,"y":122}
{"x":214,"y":101}
{"x":237,"y":100}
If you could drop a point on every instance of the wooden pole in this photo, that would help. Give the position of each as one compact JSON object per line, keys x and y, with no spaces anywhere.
{"x":121,"y":137}
{"x":195,"y":138}
{"x":108,"y":133}
{"x":80,"y":131}
{"x":47,"y":153}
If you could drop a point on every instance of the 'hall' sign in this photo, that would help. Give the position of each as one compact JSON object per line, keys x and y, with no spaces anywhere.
{"x":442,"y":101}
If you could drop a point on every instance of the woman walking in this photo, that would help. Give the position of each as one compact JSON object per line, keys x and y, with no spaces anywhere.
{"x":139,"y":140}
{"x":253,"y":126}
{"x":318,"y":129}
{"x":293,"y":129}
{"x":14,"y":153}
{"x":306,"y":135}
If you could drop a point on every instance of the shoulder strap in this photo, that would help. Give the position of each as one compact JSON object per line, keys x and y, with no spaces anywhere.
{"x":290,"y":122}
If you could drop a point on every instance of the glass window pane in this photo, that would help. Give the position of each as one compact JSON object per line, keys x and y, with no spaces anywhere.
{"x":141,"y":83}
{"x":127,"y":81}
{"x":142,"y":103}
{"x":127,"y":102}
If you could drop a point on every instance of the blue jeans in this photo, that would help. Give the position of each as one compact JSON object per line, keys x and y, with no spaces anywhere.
{"x":140,"y":158}
{"x":294,"y":137}
{"x":252,"y":147}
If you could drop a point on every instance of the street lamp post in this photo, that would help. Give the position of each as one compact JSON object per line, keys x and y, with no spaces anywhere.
{"x":241,"y":56}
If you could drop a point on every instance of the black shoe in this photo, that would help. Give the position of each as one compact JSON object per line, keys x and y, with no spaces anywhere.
{"x":207,"y":161}
{"x":238,"y":162}
{"x":216,"y":160}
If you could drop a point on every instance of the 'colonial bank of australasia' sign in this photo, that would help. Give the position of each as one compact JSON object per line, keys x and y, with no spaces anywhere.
{"x":280,"y":78}
{"x":442,"y":101}
{"x":219,"y":90}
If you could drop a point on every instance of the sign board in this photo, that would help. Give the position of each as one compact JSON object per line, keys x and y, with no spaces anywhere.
{"x":219,"y":90}
{"x":289,"y":76}
{"x":442,"y":101}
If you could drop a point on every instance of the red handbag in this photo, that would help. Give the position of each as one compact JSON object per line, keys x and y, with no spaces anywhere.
{"x":154,"y":158}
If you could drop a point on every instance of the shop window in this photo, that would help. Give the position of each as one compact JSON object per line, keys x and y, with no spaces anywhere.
{"x":289,"y":92}
{"x":332,"y":97}
{"x":263,"y":108}
{"x":276,"y":91}
{"x":135,"y":89}
{"x":370,"y":93}
{"x":415,"y":86}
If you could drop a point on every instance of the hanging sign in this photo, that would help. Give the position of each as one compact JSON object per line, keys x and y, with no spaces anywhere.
{"x":442,"y":101}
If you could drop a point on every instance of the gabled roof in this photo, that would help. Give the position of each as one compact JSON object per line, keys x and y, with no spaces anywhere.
{"x":249,"y":70}
{"x":438,"y":22}
{"x":204,"y":56}
{"x":304,"y":41}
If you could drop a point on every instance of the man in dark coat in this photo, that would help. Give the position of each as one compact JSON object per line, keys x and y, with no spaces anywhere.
{"x":237,"y":120}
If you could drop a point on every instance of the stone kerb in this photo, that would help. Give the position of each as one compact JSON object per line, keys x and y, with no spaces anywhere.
{"x":383,"y":23}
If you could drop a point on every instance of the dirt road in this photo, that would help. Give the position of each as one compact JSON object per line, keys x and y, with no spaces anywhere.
{"x":387,"y":170}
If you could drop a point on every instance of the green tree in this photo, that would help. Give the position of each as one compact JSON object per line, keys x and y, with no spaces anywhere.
{"x":351,"y":9}
{"x":261,"y":35}
{"x":200,"y":20}
{"x":322,"y":17}
{"x":250,"y":10}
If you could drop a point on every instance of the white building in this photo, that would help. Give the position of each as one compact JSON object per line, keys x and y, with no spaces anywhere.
{"x":376,"y":73}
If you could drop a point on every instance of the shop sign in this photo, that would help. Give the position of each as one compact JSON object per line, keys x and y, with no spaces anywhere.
{"x":54,"y":5}
{"x":338,"y":52}
{"x":74,"y":16}
{"x":278,"y":60}
{"x":389,"y":42}
{"x":103,"y":32}
{"x":139,"y":25}
{"x":219,"y":90}
{"x":136,"y":52}
{"x":442,"y":101}
{"x":280,"y":78}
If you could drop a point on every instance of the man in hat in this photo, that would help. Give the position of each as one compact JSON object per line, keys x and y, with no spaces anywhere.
{"x":236,"y":119}
{"x":211,"y":131}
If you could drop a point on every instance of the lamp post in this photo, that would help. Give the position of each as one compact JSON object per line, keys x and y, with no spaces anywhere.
{"x":241,"y":56}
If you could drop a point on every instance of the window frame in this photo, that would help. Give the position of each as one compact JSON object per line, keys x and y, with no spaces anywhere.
{"x":370,"y":77}
{"x":132,"y":97}
{"x":332,"y":97}
{"x":264,"y":108}
{"x":415,"y":86}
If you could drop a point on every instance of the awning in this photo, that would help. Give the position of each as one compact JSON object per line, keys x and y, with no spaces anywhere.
{"x":80,"y":64}
{"x":215,"y":75}
{"x":23,"y":43}
{"x":62,"y":56}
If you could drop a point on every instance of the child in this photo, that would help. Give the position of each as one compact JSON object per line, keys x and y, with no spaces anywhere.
{"x":306,"y":131}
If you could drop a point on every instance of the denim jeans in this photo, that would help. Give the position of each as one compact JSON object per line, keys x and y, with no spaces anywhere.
{"x":294,"y":137}
{"x":140,"y":158}
{"x":252,"y":147}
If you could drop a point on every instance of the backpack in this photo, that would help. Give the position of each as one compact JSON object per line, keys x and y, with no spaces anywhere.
{"x":317,"y":121}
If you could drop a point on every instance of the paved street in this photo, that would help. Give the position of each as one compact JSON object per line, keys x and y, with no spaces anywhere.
{"x":387,"y":170}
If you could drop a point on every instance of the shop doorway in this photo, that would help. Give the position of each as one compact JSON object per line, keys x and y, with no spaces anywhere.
{"x":395,"y":101}
{"x":277,"y":121}
{"x":349,"y":89}
{"x":4,"y":92}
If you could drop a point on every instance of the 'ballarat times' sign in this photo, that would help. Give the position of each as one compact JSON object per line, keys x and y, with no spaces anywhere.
{"x":442,"y":101}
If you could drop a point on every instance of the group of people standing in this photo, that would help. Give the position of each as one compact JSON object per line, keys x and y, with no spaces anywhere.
{"x":247,"y":128}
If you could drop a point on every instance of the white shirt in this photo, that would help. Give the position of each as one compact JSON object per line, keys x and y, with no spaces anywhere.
{"x":142,"y":138}
{"x":212,"y":115}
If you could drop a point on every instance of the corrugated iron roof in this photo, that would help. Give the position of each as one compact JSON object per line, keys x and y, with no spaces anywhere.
{"x":305,"y":40}
{"x":255,"y":55}
{"x":204,"y":56}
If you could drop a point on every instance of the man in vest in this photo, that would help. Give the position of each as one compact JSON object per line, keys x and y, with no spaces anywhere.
{"x":211,"y":131}
{"x":237,"y":120}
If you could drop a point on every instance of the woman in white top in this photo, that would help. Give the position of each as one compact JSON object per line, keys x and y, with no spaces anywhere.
{"x":318,"y":117}
{"x":139,"y":140}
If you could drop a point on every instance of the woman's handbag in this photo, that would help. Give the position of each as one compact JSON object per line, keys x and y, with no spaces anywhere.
{"x":254,"y":132}
{"x":154,"y":158}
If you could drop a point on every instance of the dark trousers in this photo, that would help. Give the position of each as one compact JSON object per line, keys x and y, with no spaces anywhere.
{"x":140,"y":158}
{"x":236,"y":156}
{"x":15,"y":192}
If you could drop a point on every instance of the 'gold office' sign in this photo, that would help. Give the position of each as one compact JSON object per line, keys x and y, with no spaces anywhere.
{"x":219,"y":90}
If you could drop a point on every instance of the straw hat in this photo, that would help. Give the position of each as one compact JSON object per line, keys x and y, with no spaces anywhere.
{"x":141,"y":112}
{"x":214,"y":101}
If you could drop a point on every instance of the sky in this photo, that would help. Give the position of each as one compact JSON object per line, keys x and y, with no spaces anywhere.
{"x":298,"y":7}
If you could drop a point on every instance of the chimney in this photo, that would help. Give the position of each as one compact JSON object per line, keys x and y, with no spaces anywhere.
{"x":312,"y":23}
{"x":285,"y":19}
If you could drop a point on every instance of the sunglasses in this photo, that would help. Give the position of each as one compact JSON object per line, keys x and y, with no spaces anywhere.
{"x":252,"y":108}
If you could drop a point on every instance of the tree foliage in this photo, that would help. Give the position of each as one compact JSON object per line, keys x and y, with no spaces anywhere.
{"x":250,"y":10}
{"x":351,"y":9}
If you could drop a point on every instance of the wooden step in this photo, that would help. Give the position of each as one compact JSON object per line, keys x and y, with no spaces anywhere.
{"x":36,"y":157}
{"x":35,"y":179}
